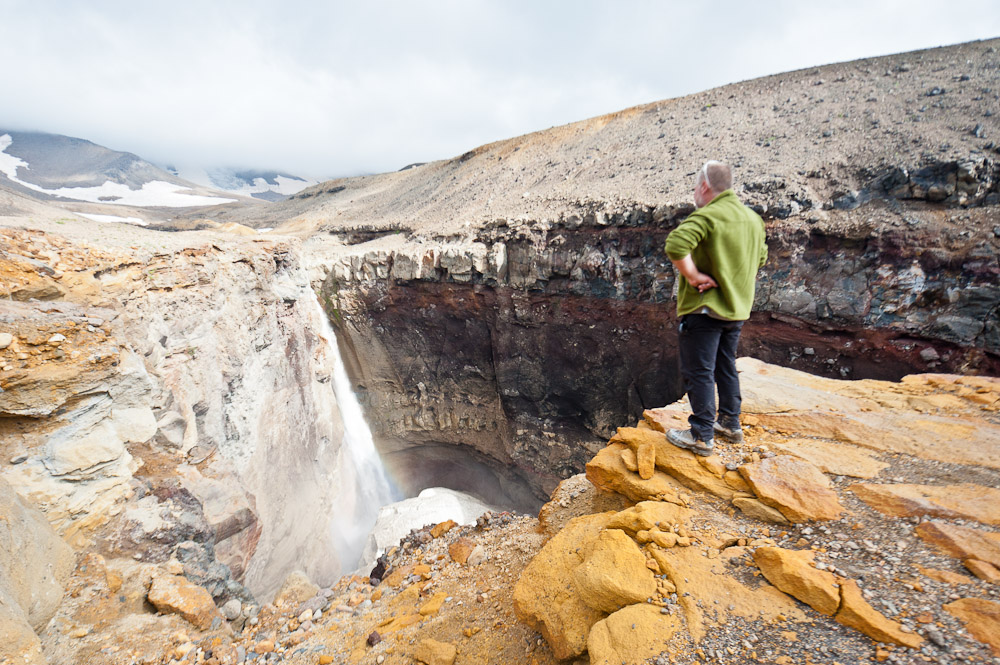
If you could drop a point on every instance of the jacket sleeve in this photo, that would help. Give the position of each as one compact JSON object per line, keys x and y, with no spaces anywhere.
{"x":762,"y":259}
{"x":685,"y":237}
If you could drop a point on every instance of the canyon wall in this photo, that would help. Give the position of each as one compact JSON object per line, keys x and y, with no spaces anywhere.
{"x":171,"y":400}
{"x":531,"y":341}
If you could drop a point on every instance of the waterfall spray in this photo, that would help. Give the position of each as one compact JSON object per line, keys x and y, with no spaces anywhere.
{"x":366,"y":486}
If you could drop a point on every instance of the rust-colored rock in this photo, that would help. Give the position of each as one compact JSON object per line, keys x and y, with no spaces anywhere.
{"x":460,"y":550}
{"x":981,"y":618}
{"x":432,"y":652}
{"x":613,"y":573}
{"x":645,"y":459}
{"x":174,"y":594}
{"x":944,"y":576}
{"x":962,"y":542}
{"x":759,"y":510}
{"x":855,"y":612}
{"x":433,"y":606}
{"x":607,"y":471}
{"x":545,"y":596}
{"x":839,"y":459}
{"x":631,"y":636}
{"x":439,"y":530}
{"x":792,"y":572}
{"x":984,"y":571}
{"x":794,"y":487}
{"x":683,"y":465}
{"x":648,"y":515}
{"x":965,"y":501}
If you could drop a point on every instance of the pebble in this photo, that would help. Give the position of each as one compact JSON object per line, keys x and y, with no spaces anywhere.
{"x":6,"y":339}
{"x":231,"y":609}
{"x":18,"y":459}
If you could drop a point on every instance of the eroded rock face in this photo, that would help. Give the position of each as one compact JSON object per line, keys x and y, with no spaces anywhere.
{"x":34,"y":566}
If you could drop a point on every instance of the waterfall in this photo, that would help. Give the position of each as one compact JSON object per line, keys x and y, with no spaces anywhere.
{"x":364,"y":484}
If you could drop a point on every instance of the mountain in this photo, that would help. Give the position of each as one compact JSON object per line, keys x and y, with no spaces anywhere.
{"x":52,"y":166}
{"x":259,"y":184}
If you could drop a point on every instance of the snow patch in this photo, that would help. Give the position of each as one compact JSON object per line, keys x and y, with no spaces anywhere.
{"x":107,"y":219}
{"x":432,"y":506}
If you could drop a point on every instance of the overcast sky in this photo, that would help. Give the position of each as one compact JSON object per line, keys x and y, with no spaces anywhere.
{"x":326,"y":88}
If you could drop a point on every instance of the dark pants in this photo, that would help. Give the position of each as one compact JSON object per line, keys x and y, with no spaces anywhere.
{"x":708,"y":359}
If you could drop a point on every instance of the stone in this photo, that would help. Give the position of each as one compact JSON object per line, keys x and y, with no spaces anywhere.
{"x":662,"y":539}
{"x":172,"y":594}
{"x":607,"y":471}
{"x":477,"y":555}
{"x":645,"y":460}
{"x":792,"y":572}
{"x":981,"y":618}
{"x":631,"y":636}
{"x":613,"y":573}
{"x":944,"y":576}
{"x":648,"y":515}
{"x":962,"y":542}
{"x":984,"y":571}
{"x":433,"y":606}
{"x":838,"y":459}
{"x":297,"y":588}
{"x":545,"y":598}
{"x":683,"y":465}
{"x":630,"y":461}
{"x":855,"y":612}
{"x":794,"y":487}
{"x":460,"y":550}
{"x":965,"y":501}
{"x":231,"y":609}
{"x":442,"y":528}
{"x":432,"y":652}
{"x":6,"y":339}
{"x":758,"y":510}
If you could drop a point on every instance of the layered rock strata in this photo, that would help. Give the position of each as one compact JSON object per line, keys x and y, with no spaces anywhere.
{"x":172,"y":404}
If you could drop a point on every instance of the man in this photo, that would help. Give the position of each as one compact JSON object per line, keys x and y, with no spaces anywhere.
{"x":717,"y":250}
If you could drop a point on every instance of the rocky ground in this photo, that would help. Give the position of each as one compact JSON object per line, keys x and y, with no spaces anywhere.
{"x":810,"y":542}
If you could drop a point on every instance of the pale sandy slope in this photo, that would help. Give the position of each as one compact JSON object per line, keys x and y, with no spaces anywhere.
{"x":816,"y":133}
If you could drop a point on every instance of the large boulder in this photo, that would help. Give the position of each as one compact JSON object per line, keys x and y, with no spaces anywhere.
{"x":609,"y":472}
{"x":631,"y":636}
{"x":614,"y":573}
{"x":545,"y":597}
{"x":794,"y":487}
{"x":687,"y":468}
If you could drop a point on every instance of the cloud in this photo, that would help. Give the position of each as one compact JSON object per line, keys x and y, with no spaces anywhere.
{"x":324,"y":89}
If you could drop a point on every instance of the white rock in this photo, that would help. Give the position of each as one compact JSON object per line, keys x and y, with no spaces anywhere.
{"x":6,"y":339}
{"x":135,"y":425}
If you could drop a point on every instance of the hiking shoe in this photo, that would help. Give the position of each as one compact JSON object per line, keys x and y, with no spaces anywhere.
{"x":732,"y":434}
{"x":684,"y":438}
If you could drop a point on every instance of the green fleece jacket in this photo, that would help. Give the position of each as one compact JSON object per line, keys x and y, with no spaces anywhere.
{"x":725,"y":240}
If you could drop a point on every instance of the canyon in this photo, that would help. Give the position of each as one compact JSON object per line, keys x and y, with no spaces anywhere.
{"x":506,"y":319}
